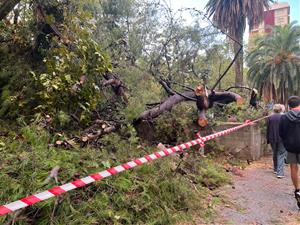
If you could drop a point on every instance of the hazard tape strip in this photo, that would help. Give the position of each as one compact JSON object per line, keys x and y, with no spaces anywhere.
{"x":33,"y":199}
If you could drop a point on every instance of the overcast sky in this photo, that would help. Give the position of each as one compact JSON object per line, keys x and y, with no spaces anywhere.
{"x":200,"y":4}
{"x":295,"y":9}
{"x":177,"y":4}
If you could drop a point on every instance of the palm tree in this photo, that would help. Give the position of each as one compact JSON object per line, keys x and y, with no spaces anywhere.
{"x":275,"y":63}
{"x":230,"y":16}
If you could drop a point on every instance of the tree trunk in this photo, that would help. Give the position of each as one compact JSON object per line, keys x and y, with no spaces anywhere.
{"x":166,"y":105}
{"x":6,"y":6}
{"x":238,"y":65}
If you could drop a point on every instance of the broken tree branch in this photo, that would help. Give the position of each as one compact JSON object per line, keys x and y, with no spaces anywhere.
{"x":203,"y":103}
{"x":53,"y":174}
{"x":116,"y":84}
{"x":166,"y":105}
{"x":239,"y":87}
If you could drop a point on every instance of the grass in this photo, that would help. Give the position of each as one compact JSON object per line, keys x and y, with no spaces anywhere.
{"x":150,"y":194}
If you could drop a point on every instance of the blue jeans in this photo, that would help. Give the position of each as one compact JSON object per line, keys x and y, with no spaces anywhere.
{"x":279,"y":154}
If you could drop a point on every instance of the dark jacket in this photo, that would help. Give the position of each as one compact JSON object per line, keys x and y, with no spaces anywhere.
{"x":289,"y":131}
{"x":273,"y":128}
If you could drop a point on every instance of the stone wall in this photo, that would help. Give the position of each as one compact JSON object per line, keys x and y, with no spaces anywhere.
{"x":248,"y":143}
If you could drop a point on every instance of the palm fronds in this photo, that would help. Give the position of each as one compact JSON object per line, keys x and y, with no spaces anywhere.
{"x":275,"y":62}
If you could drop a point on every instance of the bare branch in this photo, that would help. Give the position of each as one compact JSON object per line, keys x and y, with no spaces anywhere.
{"x":239,"y":87}
{"x":112,"y":82}
{"x":228,"y":68}
{"x":187,"y":87}
{"x":170,"y":91}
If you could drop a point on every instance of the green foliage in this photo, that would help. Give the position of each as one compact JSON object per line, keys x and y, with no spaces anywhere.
{"x":67,"y":81}
{"x":64,"y":80}
{"x":16,"y":88}
{"x":227,"y":16}
{"x":149,"y":194}
{"x":241,"y":112}
{"x":15,"y":83}
{"x":72,"y":76}
{"x":63,"y":118}
{"x":217,"y":61}
{"x":204,"y":171}
{"x":137,"y":83}
{"x":212,"y":176}
{"x":214,"y":149}
{"x":274,"y":63}
{"x":174,"y":127}
{"x":89,"y":32}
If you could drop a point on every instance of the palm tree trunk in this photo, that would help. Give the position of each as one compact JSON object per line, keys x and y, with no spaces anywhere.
{"x":6,"y":6}
{"x":238,"y":65}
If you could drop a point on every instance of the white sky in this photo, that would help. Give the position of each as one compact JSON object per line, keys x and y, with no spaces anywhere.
{"x":198,"y":4}
{"x":177,"y":4}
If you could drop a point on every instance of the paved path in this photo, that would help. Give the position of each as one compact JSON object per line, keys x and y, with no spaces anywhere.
{"x":258,"y":197}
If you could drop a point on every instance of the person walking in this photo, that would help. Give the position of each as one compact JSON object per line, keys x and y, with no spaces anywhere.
{"x":289,"y":131}
{"x":274,"y":140}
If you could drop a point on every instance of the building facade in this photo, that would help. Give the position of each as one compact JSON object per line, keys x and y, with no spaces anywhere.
{"x":277,"y":15}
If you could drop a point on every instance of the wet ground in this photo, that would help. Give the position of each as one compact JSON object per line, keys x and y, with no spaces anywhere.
{"x":258,"y":197}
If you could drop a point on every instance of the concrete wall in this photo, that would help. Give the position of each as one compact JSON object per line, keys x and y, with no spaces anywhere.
{"x":248,"y":143}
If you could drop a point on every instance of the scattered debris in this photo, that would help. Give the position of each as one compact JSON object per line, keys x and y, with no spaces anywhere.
{"x":53,"y":174}
{"x":89,"y":135}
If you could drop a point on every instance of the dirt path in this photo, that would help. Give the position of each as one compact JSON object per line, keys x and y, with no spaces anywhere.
{"x":258,"y":197}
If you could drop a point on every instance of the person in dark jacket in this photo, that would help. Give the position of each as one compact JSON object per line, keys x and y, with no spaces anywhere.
{"x":274,"y":139}
{"x":289,"y":131}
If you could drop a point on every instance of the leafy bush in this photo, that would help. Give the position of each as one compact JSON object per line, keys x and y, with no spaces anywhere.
{"x":72,"y":79}
{"x":137,"y":82}
{"x":67,"y":80}
{"x":176,"y":126}
{"x":16,"y":87}
{"x":241,"y":112}
{"x":212,"y":176}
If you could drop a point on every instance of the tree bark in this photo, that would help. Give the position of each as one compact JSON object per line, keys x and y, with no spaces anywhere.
{"x":168,"y":103}
{"x":6,"y":6}
{"x":238,"y":65}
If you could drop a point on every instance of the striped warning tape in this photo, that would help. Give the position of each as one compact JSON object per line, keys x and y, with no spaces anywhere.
{"x":33,"y":199}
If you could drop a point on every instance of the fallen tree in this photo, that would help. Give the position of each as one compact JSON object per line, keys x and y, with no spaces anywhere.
{"x":204,"y":99}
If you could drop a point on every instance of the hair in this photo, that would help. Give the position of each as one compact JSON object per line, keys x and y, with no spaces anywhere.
{"x":294,"y":101}
{"x":277,"y":108}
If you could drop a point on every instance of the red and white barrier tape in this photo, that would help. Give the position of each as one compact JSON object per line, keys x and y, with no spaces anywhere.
{"x":33,"y":199}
